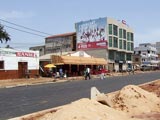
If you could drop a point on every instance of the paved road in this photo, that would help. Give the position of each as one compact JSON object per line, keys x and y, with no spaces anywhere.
{"x":23,"y":100}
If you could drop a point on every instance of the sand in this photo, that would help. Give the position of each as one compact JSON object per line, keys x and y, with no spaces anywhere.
{"x":130,"y":103}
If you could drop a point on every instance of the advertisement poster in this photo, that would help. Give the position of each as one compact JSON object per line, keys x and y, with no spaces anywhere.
{"x":92,"y":34}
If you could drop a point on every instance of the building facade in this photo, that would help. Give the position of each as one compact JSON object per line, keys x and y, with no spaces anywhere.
{"x":41,"y":49}
{"x":60,"y":43}
{"x":18,"y":63}
{"x":148,"y":53}
{"x":107,"y":38}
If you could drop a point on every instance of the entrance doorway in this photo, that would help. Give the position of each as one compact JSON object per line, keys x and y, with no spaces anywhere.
{"x":120,"y":67}
{"x":22,"y":69}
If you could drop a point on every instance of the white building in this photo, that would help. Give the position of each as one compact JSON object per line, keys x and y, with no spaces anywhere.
{"x":18,"y":63}
{"x":148,"y":54}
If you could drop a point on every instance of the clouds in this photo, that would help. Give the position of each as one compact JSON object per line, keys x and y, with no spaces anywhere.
{"x":150,"y":36}
{"x":13,"y":14}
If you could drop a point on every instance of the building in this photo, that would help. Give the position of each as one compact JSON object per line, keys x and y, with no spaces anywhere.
{"x":75,"y":63}
{"x":41,"y":49}
{"x":157,"y":45}
{"x":60,"y":43}
{"x":148,"y":54}
{"x":18,"y":63}
{"x":107,"y":38}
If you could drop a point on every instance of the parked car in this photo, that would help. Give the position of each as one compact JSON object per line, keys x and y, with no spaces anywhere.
{"x":146,"y":68}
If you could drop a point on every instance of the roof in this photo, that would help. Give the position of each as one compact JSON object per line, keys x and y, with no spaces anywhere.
{"x":47,"y":57}
{"x":78,"y":60}
{"x":62,"y":35}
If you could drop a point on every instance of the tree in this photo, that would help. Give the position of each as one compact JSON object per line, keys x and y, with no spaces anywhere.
{"x":4,"y":36}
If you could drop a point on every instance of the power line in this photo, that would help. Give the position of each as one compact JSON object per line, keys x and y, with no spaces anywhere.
{"x":24,"y":31}
{"x":24,"y":27}
{"x":18,"y":43}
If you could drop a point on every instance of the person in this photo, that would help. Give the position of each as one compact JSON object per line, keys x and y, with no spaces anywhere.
{"x":87,"y":73}
{"x":102,"y":73}
{"x":61,"y":72}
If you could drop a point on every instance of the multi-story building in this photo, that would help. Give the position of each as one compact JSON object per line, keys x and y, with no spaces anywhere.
{"x":148,"y":54}
{"x":60,"y":43}
{"x":107,"y":38}
{"x":41,"y":49}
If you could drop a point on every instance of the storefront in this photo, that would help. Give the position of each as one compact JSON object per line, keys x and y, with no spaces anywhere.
{"x":18,"y":63}
{"x":75,"y":63}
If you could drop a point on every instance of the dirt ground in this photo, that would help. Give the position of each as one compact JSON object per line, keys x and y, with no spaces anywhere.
{"x":153,"y":87}
{"x":130,"y":103}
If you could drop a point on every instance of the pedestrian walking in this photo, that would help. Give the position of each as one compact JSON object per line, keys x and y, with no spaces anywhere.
{"x":87,"y":73}
{"x":102,"y":73}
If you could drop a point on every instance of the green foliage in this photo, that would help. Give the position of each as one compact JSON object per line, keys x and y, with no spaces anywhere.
{"x":4,"y":36}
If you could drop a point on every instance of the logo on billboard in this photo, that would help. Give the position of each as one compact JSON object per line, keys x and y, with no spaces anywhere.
{"x":92,"y":34}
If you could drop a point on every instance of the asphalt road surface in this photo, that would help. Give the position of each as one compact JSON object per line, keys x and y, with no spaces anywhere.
{"x":19,"y":101}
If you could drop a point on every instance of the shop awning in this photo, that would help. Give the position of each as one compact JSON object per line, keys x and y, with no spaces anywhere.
{"x":78,"y":60}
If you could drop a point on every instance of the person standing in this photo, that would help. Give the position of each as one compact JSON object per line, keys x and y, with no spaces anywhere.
{"x":88,"y":73}
{"x":61,"y":72}
{"x":102,"y":73}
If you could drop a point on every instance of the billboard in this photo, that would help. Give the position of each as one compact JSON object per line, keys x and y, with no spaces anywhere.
{"x":92,"y":34}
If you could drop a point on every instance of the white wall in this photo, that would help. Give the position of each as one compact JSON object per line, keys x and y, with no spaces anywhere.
{"x":11,"y":61}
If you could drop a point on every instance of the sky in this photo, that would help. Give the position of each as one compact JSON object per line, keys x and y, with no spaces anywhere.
{"x":59,"y":16}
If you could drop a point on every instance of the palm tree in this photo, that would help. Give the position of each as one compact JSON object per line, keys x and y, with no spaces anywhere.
{"x":4,"y":36}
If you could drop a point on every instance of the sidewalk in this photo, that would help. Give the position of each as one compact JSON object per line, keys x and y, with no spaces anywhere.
{"x":44,"y":80}
{"x":34,"y":81}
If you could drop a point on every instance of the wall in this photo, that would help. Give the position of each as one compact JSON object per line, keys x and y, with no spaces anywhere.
{"x":13,"y":74}
{"x":99,"y":53}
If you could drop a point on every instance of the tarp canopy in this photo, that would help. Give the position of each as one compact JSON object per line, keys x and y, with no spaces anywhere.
{"x":78,"y":60}
{"x":49,"y":66}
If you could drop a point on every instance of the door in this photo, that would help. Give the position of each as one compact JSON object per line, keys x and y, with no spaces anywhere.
{"x":22,"y":69}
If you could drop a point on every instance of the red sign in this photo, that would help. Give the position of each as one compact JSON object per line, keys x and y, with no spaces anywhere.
{"x":87,"y":45}
{"x":25,"y":54}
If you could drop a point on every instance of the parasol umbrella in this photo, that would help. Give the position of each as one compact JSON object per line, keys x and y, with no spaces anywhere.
{"x":49,"y":66}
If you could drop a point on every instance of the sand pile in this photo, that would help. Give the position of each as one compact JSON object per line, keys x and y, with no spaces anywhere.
{"x":130,"y":103}
{"x":85,"y":109}
{"x":134,"y":100}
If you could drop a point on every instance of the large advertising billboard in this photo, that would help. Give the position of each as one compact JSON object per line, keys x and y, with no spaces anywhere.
{"x":92,"y":34}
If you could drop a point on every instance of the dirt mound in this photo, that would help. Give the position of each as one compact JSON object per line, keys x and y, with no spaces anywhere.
{"x":134,"y":100}
{"x":130,"y":103}
{"x":85,"y":109}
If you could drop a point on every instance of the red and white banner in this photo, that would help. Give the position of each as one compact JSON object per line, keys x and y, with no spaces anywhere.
{"x":25,"y":54}
{"x":89,"y":45}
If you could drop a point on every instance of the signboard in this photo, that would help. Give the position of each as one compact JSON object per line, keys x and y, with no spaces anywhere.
{"x":9,"y":52}
{"x":25,"y":54}
{"x":92,"y":34}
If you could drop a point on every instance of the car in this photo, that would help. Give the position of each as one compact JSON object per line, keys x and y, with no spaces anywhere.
{"x":145,"y":68}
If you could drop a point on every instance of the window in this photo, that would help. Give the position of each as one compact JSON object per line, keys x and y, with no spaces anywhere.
{"x":111,"y":55}
{"x":132,"y":37}
{"x":124,"y":44}
{"x":120,"y":33}
{"x":132,"y":47}
{"x":128,"y":46}
{"x":115,"y":42}
{"x":139,"y":52}
{"x":136,"y":59}
{"x":124,"y":34}
{"x":110,"y":29}
{"x":115,"y":30}
{"x":110,"y":41}
{"x":129,"y":56}
{"x":128,"y":36}
{"x":120,"y":44}
{"x":1,"y":64}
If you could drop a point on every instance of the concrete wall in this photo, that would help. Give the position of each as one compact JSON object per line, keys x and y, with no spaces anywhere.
{"x":99,"y":53}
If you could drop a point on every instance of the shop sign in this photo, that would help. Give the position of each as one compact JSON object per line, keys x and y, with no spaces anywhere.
{"x":25,"y":54}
